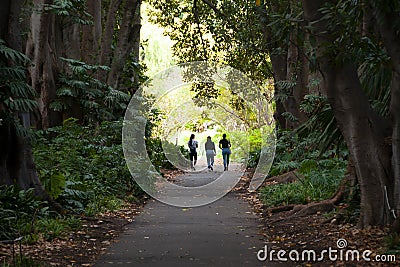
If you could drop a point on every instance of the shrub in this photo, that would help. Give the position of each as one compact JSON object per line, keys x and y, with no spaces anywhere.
{"x":83,"y":166}
{"x":23,"y":215}
{"x":19,"y":210}
{"x":321,"y":179}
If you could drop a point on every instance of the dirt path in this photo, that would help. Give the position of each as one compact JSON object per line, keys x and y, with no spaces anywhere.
{"x":223,"y":233}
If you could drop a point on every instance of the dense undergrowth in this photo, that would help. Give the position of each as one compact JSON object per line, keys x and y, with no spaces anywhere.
{"x":83,"y":169}
{"x":318,"y":173}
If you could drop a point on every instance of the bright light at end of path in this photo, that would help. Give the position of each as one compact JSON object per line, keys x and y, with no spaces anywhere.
{"x":219,"y":94}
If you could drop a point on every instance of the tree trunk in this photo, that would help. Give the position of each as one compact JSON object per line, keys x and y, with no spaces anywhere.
{"x":289,"y":65}
{"x":128,"y":33}
{"x":43,"y":72}
{"x":297,"y":72}
{"x":16,"y":159}
{"x":279,"y":66}
{"x":364,"y":131}
{"x":91,"y":34}
{"x":13,"y":37}
{"x":387,"y":22}
{"x":72,"y":41}
{"x":108,"y":37}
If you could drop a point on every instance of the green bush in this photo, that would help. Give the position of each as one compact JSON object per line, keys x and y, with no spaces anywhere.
{"x":23,"y":215}
{"x":83,"y":166}
{"x":321,"y":179}
{"x":19,"y":210}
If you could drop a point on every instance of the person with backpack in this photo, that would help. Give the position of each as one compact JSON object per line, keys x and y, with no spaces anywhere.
{"x":225,"y":145}
{"x":193,"y":145}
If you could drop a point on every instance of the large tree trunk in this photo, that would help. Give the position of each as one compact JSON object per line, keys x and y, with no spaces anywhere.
{"x":91,"y":34}
{"x":127,"y":37}
{"x":289,"y":65}
{"x":44,"y":71}
{"x":387,"y":25}
{"x":364,"y":131}
{"x":105,"y":57}
{"x":16,"y":159}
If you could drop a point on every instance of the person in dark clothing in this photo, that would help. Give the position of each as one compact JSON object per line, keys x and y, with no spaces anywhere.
{"x":225,"y":145}
{"x":193,"y":145}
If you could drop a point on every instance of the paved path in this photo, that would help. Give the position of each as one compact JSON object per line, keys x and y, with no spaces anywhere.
{"x":223,"y":233}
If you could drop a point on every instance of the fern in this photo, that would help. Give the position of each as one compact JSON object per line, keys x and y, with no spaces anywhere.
{"x":15,"y":94}
{"x":97,"y":100}
{"x":73,"y":9}
{"x":289,"y":116}
{"x":20,"y":104}
{"x":11,"y":54}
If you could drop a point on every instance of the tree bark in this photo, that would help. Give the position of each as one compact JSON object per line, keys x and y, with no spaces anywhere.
{"x":108,"y":37}
{"x":91,"y":34}
{"x":289,"y":65}
{"x":279,"y":65}
{"x":297,"y":71}
{"x":16,"y":159}
{"x":71,"y":41}
{"x":387,"y":22}
{"x":128,"y":33}
{"x":43,"y":72}
{"x":13,"y":37}
{"x":364,"y":131}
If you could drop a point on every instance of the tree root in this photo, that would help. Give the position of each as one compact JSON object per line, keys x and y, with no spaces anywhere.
{"x":285,"y":178}
{"x":313,"y":208}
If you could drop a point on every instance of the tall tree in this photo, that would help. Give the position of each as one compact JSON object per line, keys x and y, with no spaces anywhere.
{"x":388,"y":21}
{"x":372,"y":138}
{"x":78,"y":30}
{"x":41,"y":48}
{"x":284,"y":40}
{"x":16,"y":160}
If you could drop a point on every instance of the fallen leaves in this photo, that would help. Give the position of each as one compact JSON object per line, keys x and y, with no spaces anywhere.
{"x":311,"y":232}
{"x":80,"y":248}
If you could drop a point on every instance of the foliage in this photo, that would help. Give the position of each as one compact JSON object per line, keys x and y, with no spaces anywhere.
{"x":322,"y":121}
{"x":72,"y":9}
{"x":83,"y":167}
{"x":392,"y":243}
{"x":15,"y":94}
{"x":219,"y":31}
{"x":23,"y":215}
{"x":17,"y":208}
{"x":290,"y":151}
{"x":96,"y":100}
{"x":321,"y":178}
{"x":22,"y":261}
{"x":156,"y":153}
{"x":311,"y":152}
{"x":156,"y":47}
{"x":133,"y":75}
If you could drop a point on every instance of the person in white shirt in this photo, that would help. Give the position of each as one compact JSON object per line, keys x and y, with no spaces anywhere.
{"x":210,"y":152}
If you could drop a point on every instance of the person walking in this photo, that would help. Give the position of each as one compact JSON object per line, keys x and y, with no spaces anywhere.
{"x":210,"y":152}
{"x":225,"y":145}
{"x":193,"y":145}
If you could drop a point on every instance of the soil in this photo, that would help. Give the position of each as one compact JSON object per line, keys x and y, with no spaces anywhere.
{"x":279,"y":230}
